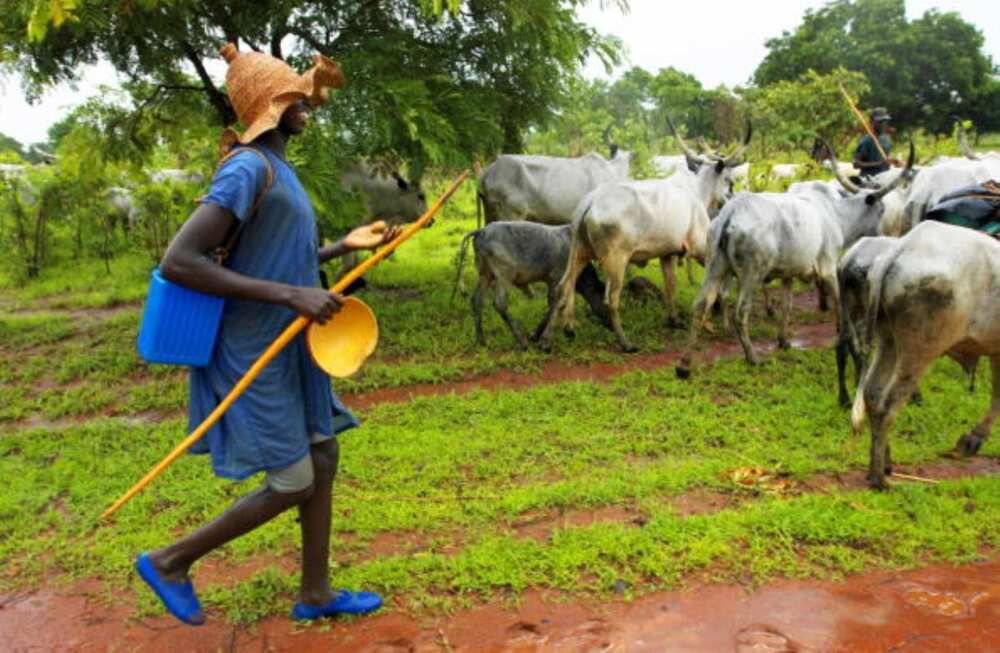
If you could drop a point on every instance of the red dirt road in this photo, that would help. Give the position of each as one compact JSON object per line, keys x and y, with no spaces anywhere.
{"x":941,"y":608}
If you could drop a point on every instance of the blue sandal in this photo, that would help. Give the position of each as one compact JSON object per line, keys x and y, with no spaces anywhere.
{"x":178,"y":598}
{"x":343,"y":603}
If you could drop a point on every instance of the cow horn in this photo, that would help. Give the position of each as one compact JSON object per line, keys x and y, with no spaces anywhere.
{"x":706,"y":150}
{"x":844,"y":181}
{"x":688,"y":152}
{"x":885,"y":190}
{"x":736,"y":158}
{"x":963,"y":145}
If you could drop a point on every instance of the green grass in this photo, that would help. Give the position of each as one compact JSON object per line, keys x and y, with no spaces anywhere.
{"x":461,"y":470}
{"x":450,"y":479}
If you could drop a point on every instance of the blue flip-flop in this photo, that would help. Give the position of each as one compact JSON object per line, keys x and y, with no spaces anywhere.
{"x":178,"y":598}
{"x":343,"y":603}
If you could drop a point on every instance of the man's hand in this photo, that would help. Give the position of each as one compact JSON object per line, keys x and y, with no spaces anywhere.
{"x":371,"y":236}
{"x":893,"y":161}
{"x":315,"y":303}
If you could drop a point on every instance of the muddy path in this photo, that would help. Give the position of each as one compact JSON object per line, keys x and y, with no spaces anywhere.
{"x":939,"y":608}
{"x":806,"y":336}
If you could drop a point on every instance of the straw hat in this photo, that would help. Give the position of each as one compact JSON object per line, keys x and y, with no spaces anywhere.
{"x":262,"y":87}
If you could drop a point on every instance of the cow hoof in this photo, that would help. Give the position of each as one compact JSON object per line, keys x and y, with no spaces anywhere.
{"x":754,"y":362}
{"x":784,"y":343}
{"x":683,"y":372}
{"x":969,"y":444}
{"x":675,"y":323}
{"x":845,"y":401}
{"x":629,"y":348}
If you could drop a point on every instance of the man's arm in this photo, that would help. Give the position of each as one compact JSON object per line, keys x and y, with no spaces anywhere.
{"x":188,"y":264}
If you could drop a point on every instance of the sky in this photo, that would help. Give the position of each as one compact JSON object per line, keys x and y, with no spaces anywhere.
{"x":718,"y":41}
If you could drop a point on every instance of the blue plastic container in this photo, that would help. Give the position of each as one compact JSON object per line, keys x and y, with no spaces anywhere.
{"x":179,"y":325}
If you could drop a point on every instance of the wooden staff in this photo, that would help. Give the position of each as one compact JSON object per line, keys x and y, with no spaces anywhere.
{"x":864,"y":123}
{"x":279,"y":343}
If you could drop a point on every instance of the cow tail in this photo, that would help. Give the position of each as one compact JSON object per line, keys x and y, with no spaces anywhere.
{"x":566,"y":285}
{"x":480,"y":209}
{"x":463,"y":249}
{"x":859,"y":410}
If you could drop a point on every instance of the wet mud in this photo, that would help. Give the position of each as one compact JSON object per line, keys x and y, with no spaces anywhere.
{"x":940,"y":608}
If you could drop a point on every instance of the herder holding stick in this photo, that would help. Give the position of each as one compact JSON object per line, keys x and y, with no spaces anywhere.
{"x":286,"y":424}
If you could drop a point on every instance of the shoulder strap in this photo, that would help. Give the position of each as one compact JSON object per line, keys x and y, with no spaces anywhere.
{"x":221,"y":253}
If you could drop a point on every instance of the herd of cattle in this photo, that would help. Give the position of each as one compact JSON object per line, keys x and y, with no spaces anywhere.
{"x":905,"y":292}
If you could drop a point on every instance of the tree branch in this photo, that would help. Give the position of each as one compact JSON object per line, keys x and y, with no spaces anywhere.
{"x":218,"y":99}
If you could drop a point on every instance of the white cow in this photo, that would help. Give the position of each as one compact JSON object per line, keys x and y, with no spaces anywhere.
{"x":176,"y":175}
{"x":386,"y":197}
{"x":623,"y":222}
{"x":937,"y":292}
{"x":785,"y":236}
{"x":545,"y":189}
{"x":667,"y":165}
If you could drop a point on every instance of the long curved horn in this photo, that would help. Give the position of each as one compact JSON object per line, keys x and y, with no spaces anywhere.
{"x":706,"y":150}
{"x":736,"y":158}
{"x":882,"y":192}
{"x":688,"y":152}
{"x":835,"y":169}
{"x":963,"y":145}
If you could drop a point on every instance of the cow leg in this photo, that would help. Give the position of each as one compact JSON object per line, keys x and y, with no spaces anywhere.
{"x":768,"y":307}
{"x":824,"y":302}
{"x":614,"y":269}
{"x":712,"y":288}
{"x":786,"y":314}
{"x":749,"y":282}
{"x":969,"y":444}
{"x":485,"y":281}
{"x":591,"y":288}
{"x":500,"y":303}
{"x":888,"y":383}
{"x":550,"y":312}
{"x":843,"y":344}
{"x":670,"y":291}
{"x":567,"y":295}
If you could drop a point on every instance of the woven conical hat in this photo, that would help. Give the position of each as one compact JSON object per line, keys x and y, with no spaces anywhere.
{"x":262,"y":87}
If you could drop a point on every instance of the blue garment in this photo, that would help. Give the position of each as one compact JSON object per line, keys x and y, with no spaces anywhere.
{"x":867,"y":152}
{"x":269,"y":426}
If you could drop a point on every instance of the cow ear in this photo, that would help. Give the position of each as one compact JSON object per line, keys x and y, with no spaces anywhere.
{"x":719,"y":167}
{"x":870,"y":199}
{"x":401,"y":183}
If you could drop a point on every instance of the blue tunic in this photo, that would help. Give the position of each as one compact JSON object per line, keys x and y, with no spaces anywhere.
{"x":270,"y":425}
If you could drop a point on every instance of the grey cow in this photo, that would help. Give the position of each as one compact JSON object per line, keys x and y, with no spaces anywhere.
{"x":516,"y":255}
{"x":935,"y":293}
{"x":787,"y":236}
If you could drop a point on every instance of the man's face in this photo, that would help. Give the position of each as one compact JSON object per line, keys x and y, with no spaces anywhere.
{"x":881,"y":125}
{"x":295,"y":118}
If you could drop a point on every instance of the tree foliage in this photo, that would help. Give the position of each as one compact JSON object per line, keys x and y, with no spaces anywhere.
{"x":433,"y":82}
{"x":790,"y":115}
{"x":927,"y":71}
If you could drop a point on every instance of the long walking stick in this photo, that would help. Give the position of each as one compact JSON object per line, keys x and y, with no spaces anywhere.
{"x":864,"y":123}
{"x":279,"y":343}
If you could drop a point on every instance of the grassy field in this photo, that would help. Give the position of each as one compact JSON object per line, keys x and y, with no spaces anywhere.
{"x":639,"y":483}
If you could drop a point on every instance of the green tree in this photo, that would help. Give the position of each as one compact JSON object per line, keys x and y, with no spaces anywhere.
{"x":926,"y":71}
{"x":789,"y":115}
{"x":431,"y":82}
{"x":9,"y":144}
